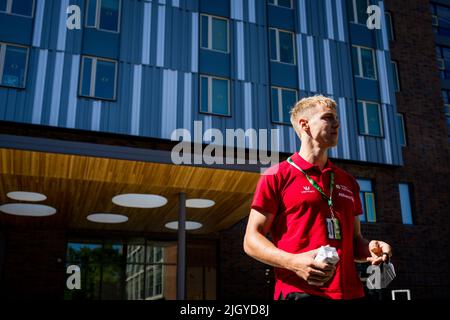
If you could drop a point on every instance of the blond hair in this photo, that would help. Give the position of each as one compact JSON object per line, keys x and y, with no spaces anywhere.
{"x":303,"y":106}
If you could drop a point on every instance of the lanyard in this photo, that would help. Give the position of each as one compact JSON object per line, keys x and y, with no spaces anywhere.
{"x":316,"y":186}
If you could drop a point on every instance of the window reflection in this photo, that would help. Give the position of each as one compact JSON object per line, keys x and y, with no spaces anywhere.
{"x":132,"y":270}
{"x":3,"y":5}
{"x":22,"y":7}
{"x":14,"y":66}
{"x":139,"y":269}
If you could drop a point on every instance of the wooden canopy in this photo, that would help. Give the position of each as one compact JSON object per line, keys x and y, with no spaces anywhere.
{"x":81,"y":185}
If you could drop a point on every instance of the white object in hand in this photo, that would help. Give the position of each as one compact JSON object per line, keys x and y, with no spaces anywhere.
{"x":327,"y":254}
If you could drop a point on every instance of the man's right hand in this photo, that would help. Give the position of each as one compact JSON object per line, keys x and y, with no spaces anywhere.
{"x":314,"y":272}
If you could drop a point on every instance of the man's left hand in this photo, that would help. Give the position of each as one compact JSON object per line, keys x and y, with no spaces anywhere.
{"x":380,"y":252}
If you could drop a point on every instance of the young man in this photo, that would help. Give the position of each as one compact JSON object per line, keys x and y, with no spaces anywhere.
{"x":292,"y":201}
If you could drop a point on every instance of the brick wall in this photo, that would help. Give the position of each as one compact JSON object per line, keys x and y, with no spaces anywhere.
{"x":423,"y":249}
{"x":33,"y":267}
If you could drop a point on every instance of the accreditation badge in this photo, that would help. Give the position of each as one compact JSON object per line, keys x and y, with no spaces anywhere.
{"x":333,"y":229}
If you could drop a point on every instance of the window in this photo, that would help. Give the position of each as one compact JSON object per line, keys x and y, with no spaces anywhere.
{"x":394,"y":66}
{"x":405,"y":203}
{"x":367,"y":200}
{"x":17,"y":7}
{"x":401,"y":124}
{"x":103,"y":15}
{"x":123,"y":270}
{"x":282,"y":102}
{"x":154,"y":273}
{"x":282,"y":46}
{"x":364,"y":63}
{"x":443,"y":61}
{"x":100,"y":265}
{"x":440,"y":19}
{"x":369,"y":118}
{"x":98,"y":78}
{"x":13,"y":65}
{"x":281,"y":3}
{"x":215,"y":95}
{"x":214,"y":31}
{"x":389,"y":26}
{"x":358,"y":11}
{"x":446,"y":98}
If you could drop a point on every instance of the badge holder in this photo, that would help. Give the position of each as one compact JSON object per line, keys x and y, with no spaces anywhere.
{"x":333,"y":227}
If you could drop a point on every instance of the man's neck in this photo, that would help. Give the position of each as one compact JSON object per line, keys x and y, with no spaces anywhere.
{"x":314,"y":155}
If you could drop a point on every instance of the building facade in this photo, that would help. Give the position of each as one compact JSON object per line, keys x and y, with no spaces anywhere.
{"x":92,"y":93}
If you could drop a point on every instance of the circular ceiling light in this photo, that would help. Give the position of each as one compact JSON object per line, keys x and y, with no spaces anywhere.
{"x":133,"y":200}
{"x":190,"y":225}
{"x":107,"y":218}
{"x":26,"y":196}
{"x":199,"y":203}
{"x":28,"y":210}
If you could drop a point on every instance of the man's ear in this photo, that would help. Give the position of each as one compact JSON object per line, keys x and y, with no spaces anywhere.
{"x":303,"y":124}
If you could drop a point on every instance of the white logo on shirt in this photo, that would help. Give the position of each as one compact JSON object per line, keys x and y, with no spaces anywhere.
{"x":307,"y":189}
{"x":341,"y":187}
{"x":343,"y":195}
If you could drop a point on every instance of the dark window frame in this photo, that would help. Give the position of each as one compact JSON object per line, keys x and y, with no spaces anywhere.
{"x":3,"y":47}
{"x":116,"y":77}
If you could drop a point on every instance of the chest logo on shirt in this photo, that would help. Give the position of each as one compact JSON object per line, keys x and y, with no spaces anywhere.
{"x":344,"y":188}
{"x":307,"y":189}
{"x":345,"y":192}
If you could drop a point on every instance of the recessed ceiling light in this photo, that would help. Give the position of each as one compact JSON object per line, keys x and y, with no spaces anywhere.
{"x":27,"y":209}
{"x":107,"y":218}
{"x":26,"y":196}
{"x":134,"y":200}
{"x":190,"y":225}
{"x":199,"y":203}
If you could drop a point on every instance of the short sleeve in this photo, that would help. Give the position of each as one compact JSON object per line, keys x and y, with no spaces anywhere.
{"x":357,"y":206}
{"x":265,"y":199}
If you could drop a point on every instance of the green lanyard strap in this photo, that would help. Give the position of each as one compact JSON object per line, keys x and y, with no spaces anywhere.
{"x":315,"y":185}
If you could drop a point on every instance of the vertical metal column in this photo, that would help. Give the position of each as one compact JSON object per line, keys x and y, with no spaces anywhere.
{"x":181,"y":252}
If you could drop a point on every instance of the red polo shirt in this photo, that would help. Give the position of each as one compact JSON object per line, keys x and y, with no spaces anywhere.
{"x":300,"y":222}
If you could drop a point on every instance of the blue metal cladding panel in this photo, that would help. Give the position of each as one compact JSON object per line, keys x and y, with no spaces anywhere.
{"x":320,"y":65}
{"x":260,"y":12}
{"x":131,"y":35}
{"x":152,"y":97}
{"x":345,"y":76}
{"x":215,"y":7}
{"x":74,"y":38}
{"x":362,"y":36}
{"x":281,"y":18}
{"x":283,"y":75}
{"x":214,"y":63}
{"x":177,"y":24}
{"x":317,"y":16}
{"x":256,"y":53}
{"x":16,"y":29}
{"x":367,"y":89}
{"x":191,"y":5}
{"x":333,"y":20}
{"x":50,"y":24}
{"x":44,"y":23}
{"x":351,"y":125}
{"x":101,"y":44}
{"x":158,"y":73}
